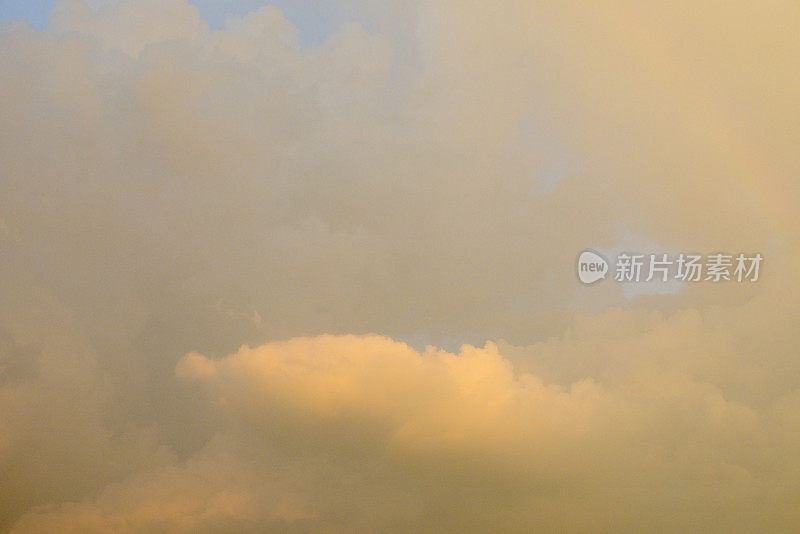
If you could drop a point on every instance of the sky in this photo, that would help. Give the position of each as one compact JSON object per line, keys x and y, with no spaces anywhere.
{"x":311,"y":266}
{"x":315,"y":21}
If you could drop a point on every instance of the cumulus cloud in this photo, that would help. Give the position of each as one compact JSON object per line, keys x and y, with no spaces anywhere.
{"x":429,"y":173}
{"x":315,"y":433}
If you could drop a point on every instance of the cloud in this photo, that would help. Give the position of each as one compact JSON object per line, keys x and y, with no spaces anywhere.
{"x":127,"y":26}
{"x":169,"y":193}
{"x":312,"y":426}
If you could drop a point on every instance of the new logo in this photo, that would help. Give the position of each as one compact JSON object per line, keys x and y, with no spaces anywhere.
{"x":591,"y":267}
